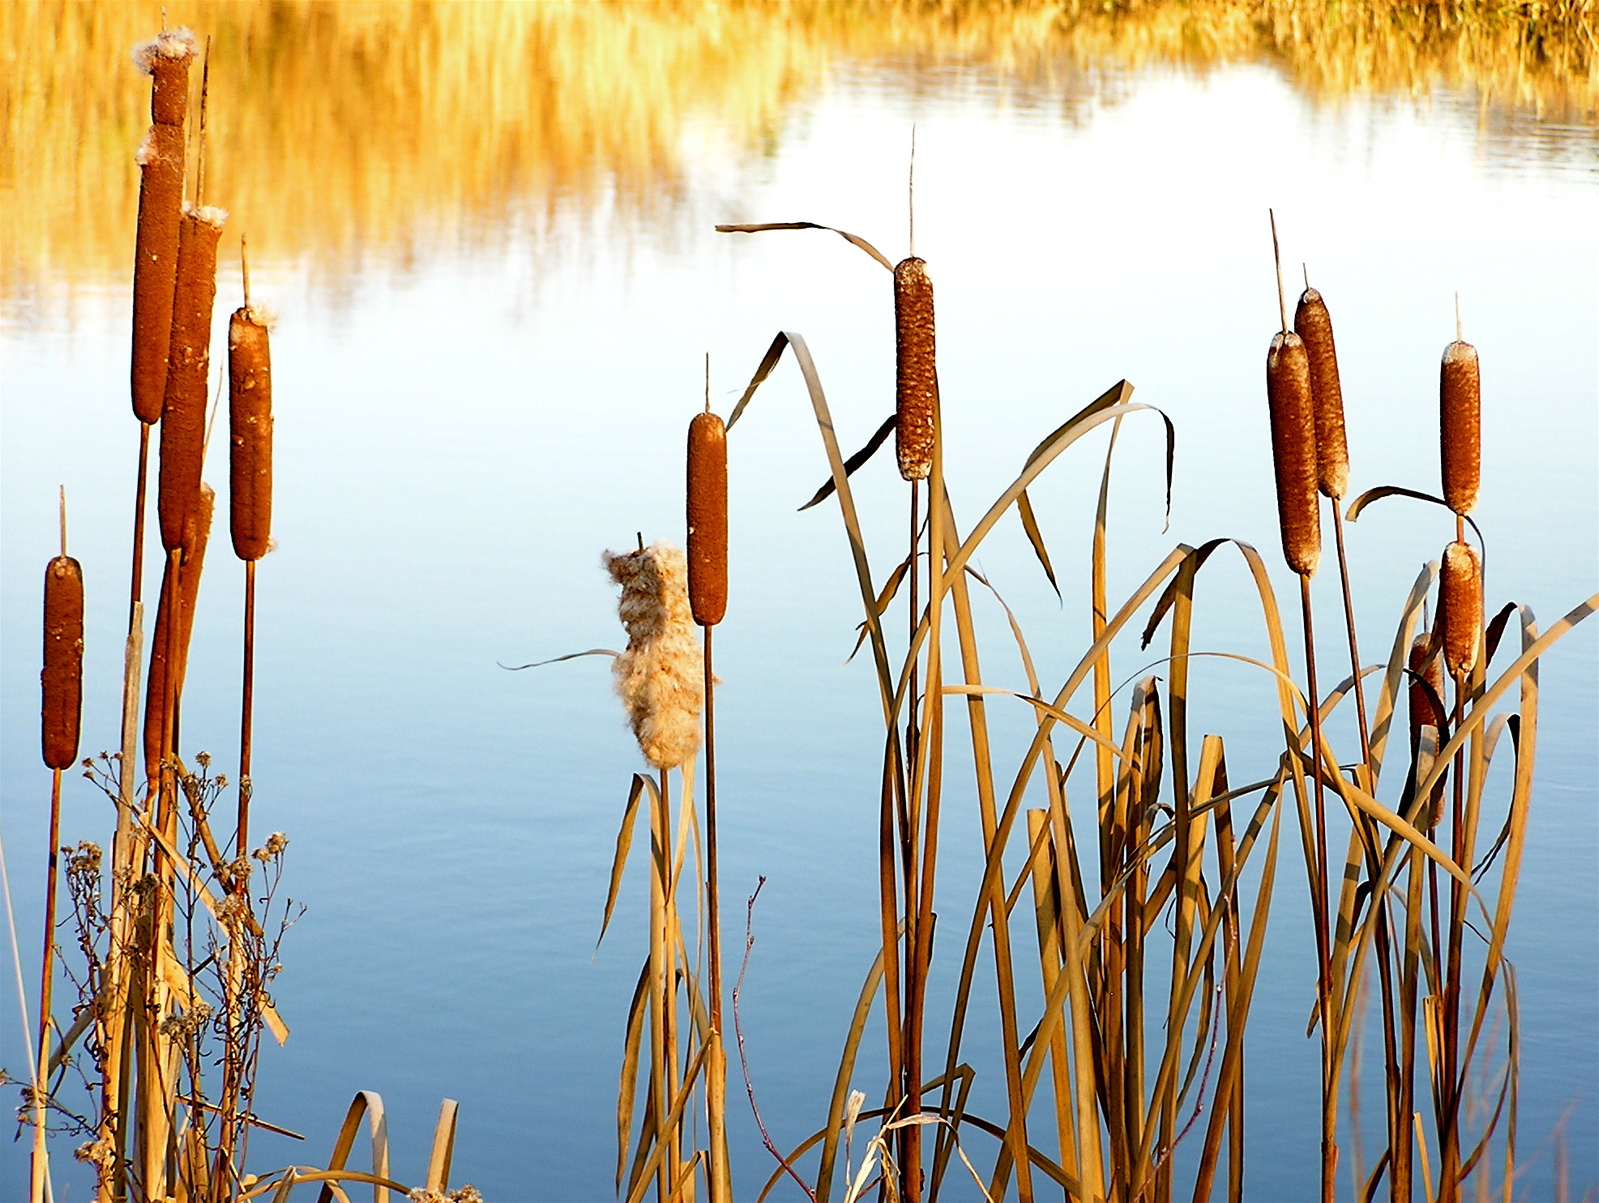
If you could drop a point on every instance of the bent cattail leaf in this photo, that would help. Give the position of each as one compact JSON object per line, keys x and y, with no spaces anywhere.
{"x":249,"y":433}
{"x":61,"y":681}
{"x":197,"y":536}
{"x":1293,"y":451}
{"x":660,"y":677}
{"x":1314,"y":326}
{"x":707,"y":518}
{"x":1460,"y":406}
{"x":915,"y":370}
{"x":1460,"y":605}
{"x":188,"y":367}
{"x":1424,"y":711}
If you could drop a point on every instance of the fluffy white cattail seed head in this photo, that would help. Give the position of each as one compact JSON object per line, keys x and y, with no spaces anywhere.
{"x":661,"y":676}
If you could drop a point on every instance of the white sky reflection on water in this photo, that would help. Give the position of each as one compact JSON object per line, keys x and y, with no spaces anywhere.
{"x":458,"y":438}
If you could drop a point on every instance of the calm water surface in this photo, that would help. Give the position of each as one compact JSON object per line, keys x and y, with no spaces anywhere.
{"x":465,"y":422}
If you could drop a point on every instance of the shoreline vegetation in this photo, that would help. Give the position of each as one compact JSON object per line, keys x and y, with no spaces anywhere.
{"x":418,"y":120}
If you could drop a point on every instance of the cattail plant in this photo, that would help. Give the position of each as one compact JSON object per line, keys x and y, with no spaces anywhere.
{"x":249,"y":496}
{"x":1292,"y":406}
{"x":61,"y":709}
{"x":660,"y":679}
{"x":706,"y":506}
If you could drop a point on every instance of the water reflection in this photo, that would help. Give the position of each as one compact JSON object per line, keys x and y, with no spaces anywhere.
{"x":353,"y":129}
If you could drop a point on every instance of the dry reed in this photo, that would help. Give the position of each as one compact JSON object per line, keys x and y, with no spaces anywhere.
{"x":707,"y":518}
{"x":1460,"y":411}
{"x":1314,"y":326}
{"x":250,"y":433}
{"x":1460,"y":606}
{"x":183,"y":412}
{"x":916,"y":370}
{"x":1293,"y":447}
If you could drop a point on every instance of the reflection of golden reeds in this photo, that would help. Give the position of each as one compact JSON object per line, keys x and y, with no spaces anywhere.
{"x":404,"y":118}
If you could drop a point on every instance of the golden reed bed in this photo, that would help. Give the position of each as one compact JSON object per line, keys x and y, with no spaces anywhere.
{"x":351,"y":126}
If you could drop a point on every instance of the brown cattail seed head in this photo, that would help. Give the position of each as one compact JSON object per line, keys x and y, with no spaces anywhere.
{"x":707,"y":518}
{"x":1314,"y":327}
{"x":1460,"y":405}
{"x":155,"y":264}
{"x":188,"y":366}
{"x":197,"y":535}
{"x":1460,"y":606}
{"x":62,"y":678}
{"x":1424,"y":711}
{"x":249,"y":433}
{"x":1293,"y":451}
{"x":166,"y":58}
{"x":915,"y":370}
{"x":661,"y":676}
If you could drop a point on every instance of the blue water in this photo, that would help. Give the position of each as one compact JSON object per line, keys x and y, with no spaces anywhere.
{"x":460,"y":436}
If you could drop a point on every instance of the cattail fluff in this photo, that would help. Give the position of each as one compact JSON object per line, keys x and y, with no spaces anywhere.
{"x":155,"y":262}
{"x":249,"y":433}
{"x":1460,"y":605}
{"x":1460,"y":406}
{"x":195,"y":539}
{"x":1424,"y":710}
{"x":915,"y":370}
{"x":61,"y":681}
{"x":660,"y":677}
{"x":707,"y":518}
{"x":1293,"y":451}
{"x":188,"y":368}
{"x":1314,"y":326}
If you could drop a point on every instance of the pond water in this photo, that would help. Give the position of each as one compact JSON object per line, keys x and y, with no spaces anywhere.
{"x":478,"y":392}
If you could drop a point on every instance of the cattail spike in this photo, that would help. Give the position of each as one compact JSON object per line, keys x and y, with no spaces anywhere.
{"x":61,"y":682}
{"x":916,"y":375}
{"x":197,"y":536}
{"x":1314,"y":326}
{"x":249,"y":434}
{"x":660,"y":677}
{"x":1460,"y":412}
{"x":1460,"y":606}
{"x":1424,"y":710}
{"x":1293,"y":451}
{"x":707,"y":518}
{"x":183,"y":409}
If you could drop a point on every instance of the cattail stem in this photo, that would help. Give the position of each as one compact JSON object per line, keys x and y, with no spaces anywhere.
{"x":247,"y":714}
{"x":717,"y":1170}
{"x":40,"y":1168}
{"x":1354,"y":646}
{"x":1329,"y":1105}
{"x":140,"y":493}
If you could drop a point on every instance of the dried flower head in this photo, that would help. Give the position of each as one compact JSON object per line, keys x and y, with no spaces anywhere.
{"x":660,"y":677}
{"x":273,"y":848}
{"x":181,"y":1025}
{"x":99,"y":1153}
{"x":84,"y":860}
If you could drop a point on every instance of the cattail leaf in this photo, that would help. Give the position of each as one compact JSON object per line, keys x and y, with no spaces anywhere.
{"x":1496,"y":628}
{"x":1169,"y":597}
{"x":593,"y":651}
{"x":853,"y":239}
{"x":624,"y":843}
{"x":685,"y":1092}
{"x":890,"y":588}
{"x":1359,"y":504}
{"x":768,"y":362}
{"x":1055,"y":712}
{"x":1024,"y":507}
{"x":628,"y":1087}
{"x":853,"y":462}
{"x":368,"y":1105}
